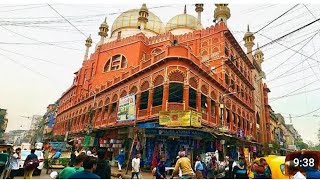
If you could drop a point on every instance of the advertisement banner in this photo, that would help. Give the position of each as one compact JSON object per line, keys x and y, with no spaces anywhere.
{"x":180,"y":118}
{"x":196,"y":119}
{"x":127,"y":109}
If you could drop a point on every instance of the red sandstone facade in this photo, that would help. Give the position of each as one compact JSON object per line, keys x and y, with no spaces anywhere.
{"x":208,"y":61}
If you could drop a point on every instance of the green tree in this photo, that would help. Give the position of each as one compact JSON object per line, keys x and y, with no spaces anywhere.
{"x":301,"y":145}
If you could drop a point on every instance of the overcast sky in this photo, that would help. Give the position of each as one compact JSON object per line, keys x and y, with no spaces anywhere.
{"x":40,"y":51}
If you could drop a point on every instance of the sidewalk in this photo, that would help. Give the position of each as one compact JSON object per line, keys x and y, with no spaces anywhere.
{"x":115,"y":173}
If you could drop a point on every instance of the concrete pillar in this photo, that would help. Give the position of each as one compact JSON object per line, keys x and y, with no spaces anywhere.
{"x":150,"y":100}
{"x":186,"y":96}
{"x":165,"y":96}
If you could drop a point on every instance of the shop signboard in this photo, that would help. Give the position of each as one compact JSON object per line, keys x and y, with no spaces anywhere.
{"x":180,"y":118}
{"x":58,"y":145}
{"x":127,"y":109}
{"x":175,"y":132}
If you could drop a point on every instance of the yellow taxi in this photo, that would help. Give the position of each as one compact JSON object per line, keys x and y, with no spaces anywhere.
{"x":276,"y":164}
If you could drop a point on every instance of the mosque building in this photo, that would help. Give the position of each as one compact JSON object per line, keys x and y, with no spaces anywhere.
{"x":167,"y":87}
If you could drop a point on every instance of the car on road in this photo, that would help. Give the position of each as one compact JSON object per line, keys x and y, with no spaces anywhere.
{"x":24,"y":154}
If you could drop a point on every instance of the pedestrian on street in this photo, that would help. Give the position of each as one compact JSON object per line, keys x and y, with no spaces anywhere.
{"x":198,"y":167}
{"x":212,"y":167}
{"x":72,"y":158}
{"x":30,"y":164}
{"x":120,"y":159}
{"x":184,"y":164}
{"x":136,"y":166}
{"x":161,"y":169}
{"x":69,"y":171}
{"x":14,"y":163}
{"x":240,"y":171}
{"x":6,"y":169}
{"x":89,"y":165}
{"x":103,"y":166}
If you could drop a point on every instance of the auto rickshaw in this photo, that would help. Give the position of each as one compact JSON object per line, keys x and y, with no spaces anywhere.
{"x":276,"y":164}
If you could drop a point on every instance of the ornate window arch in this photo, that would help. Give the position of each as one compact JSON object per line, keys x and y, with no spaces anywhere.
{"x":116,"y":62}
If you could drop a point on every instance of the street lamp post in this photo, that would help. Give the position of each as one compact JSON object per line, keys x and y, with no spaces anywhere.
{"x":222,"y":109}
{"x":89,"y":126}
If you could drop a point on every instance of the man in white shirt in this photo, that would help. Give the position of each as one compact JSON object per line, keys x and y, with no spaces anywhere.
{"x":14,"y":163}
{"x":136,"y":166}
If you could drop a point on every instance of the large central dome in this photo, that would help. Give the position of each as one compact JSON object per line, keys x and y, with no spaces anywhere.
{"x":182,"y":21}
{"x":129,"y":19}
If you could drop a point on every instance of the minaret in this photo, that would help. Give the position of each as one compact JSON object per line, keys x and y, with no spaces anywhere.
{"x":143,"y":16}
{"x":249,"y":42}
{"x":199,"y":10}
{"x":258,"y":55}
{"x":104,"y":28}
{"x":221,"y":13}
{"x":88,"y":45}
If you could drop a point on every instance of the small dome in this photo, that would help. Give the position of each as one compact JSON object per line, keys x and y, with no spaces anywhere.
{"x":258,"y":51}
{"x":182,"y":21}
{"x":129,"y":19}
{"x":248,"y":34}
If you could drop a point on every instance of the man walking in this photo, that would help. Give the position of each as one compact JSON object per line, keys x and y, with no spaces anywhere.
{"x":184,"y":164}
{"x":89,"y":165}
{"x":30,"y":164}
{"x":69,"y":171}
{"x":136,"y":166}
{"x":120,"y":159}
{"x":103,"y":167}
{"x":14,"y":163}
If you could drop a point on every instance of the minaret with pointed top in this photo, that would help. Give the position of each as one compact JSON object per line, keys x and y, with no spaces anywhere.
{"x":104,"y":28}
{"x":249,"y":43}
{"x":88,"y":45}
{"x":199,"y":10}
{"x":259,"y":56}
{"x":221,"y":13}
{"x":143,"y":16}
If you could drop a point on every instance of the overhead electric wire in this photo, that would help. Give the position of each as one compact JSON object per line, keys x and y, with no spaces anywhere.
{"x":273,"y":21}
{"x":22,"y":9}
{"x":24,"y":55}
{"x":288,"y":94}
{"x":38,"y":40}
{"x":295,"y":52}
{"x":66,"y":20}
{"x":312,"y":90}
{"x":307,"y":113}
{"x":304,"y":78}
{"x":288,"y":48}
{"x":293,"y":67}
{"x":24,"y":66}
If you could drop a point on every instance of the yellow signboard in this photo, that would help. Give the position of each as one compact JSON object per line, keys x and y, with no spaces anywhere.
{"x":180,"y":118}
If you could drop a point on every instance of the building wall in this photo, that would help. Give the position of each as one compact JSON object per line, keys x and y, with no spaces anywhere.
{"x":155,"y":61}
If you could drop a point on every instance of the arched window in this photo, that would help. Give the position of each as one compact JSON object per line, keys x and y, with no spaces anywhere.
{"x":176,"y":92}
{"x":192,"y":98}
{"x":144,"y":98}
{"x":116,"y":62}
{"x":158,"y":91}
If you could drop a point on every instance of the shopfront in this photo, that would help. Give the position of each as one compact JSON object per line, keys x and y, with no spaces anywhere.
{"x":169,"y":141}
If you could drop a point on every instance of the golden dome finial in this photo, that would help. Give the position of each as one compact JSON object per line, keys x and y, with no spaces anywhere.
{"x":88,"y":41}
{"x":248,"y":29}
{"x":104,"y":28}
{"x":143,"y":14}
{"x":185,"y":9}
{"x":222,"y":13}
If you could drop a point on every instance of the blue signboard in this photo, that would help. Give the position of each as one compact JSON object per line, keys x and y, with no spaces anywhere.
{"x":177,"y":132}
{"x":58,"y":145}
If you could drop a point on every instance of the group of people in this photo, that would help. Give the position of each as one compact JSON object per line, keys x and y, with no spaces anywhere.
{"x":211,"y":168}
{"x":13,"y":164}
{"x":88,"y":166}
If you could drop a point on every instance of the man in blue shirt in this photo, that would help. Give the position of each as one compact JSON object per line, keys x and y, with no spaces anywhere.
{"x":89,"y":165}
